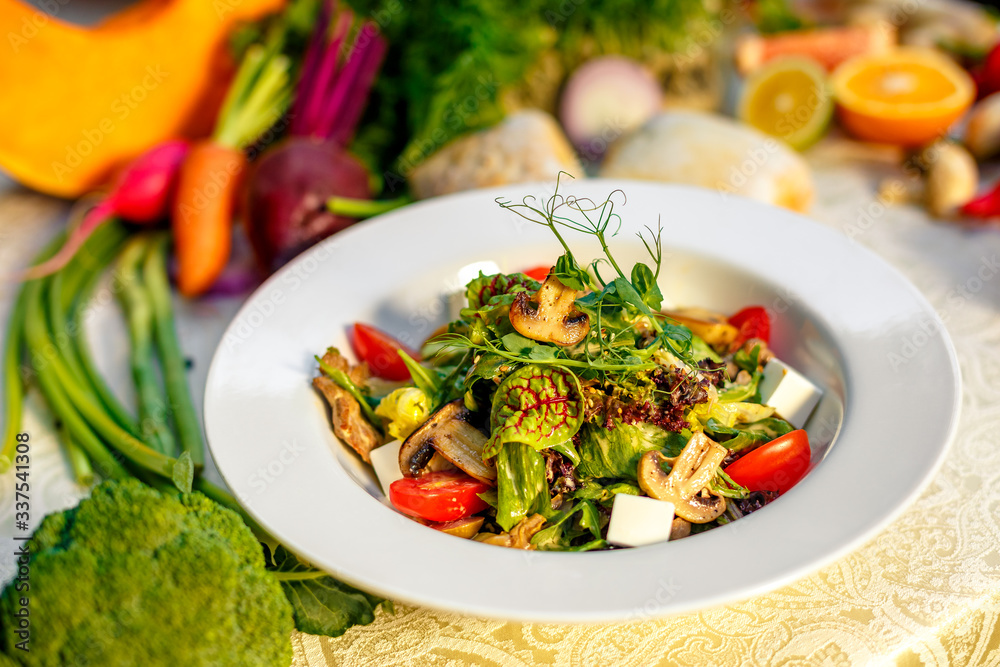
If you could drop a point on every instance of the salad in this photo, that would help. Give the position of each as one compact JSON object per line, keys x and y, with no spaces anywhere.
{"x":565,"y":409}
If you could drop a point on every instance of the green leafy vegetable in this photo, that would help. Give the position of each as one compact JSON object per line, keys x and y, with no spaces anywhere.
{"x":521,"y":486}
{"x":572,"y":524}
{"x":591,"y":490}
{"x":740,"y":437}
{"x":748,"y":361}
{"x":614,"y":453}
{"x":321,"y":604}
{"x":537,"y":406}
{"x":345,"y":383}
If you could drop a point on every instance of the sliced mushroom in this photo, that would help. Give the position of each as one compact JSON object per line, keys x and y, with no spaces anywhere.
{"x":679,"y":528}
{"x":687,"y":484}
{"x":519,"y":536}
{"x":554,"y":317}
{"x":467,"y":527}
{"x":449,"y":433}
{"x":707,"y":325}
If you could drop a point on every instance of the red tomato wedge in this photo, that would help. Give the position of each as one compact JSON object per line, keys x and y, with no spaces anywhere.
{"x":379,"y":349}
{"x":776,"y":466}
{"x":753,"y":322}
{"x":539,"y":273}
{"x":447,"y":495}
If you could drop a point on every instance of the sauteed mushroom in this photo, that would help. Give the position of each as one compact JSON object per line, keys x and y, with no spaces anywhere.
{"x":712,"y":327}
{"x":554,"y":319}
{"x":687,"y":484}
{"x":449,"y":433}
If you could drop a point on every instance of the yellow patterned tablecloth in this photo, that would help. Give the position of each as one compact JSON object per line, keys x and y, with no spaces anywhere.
{"x":926,"y":591}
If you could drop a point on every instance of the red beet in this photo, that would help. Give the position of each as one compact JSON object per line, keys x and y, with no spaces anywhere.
{"x":285,"y":210}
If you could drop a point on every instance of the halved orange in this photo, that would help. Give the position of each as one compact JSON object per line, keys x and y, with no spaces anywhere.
{"x":907,"y":96}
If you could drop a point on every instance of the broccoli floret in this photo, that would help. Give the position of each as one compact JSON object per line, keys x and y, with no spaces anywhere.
{"x":133,"y":576}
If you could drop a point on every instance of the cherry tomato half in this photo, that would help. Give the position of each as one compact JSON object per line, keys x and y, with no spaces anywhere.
{"x":539,"y":273}
{"x":753,"y":322}
{"x":447,"y":495}
{"x":776,"y":466}
{"x":379,"y":350}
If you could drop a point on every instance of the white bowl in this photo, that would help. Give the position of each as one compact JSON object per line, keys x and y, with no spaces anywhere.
{"x":841,"y":316}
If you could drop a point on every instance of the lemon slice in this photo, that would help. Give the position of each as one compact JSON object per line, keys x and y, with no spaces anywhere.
{"x":788,"y":98}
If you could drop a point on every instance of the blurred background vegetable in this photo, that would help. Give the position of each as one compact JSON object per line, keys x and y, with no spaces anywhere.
{"x":108,"y":92}
{"x":211,"y":175}
{"x":142,"y":193}
{"x":291,"y":183}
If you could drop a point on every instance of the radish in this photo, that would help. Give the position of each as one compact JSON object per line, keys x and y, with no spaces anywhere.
{"x":605,"y":98}
{"x":288,"y":189}
{"x":141,"y":193}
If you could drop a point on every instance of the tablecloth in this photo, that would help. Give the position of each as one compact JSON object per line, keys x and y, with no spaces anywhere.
{"x":926,"y":591}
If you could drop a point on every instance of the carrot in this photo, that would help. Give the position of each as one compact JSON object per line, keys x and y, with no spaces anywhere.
{"x":827,"y":46}
{"x":202,"y":213}
{"x":210,"y":176}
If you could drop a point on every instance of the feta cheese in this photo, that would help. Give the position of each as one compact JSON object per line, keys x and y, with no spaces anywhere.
{"x":639,"y":520}
{"x":385,"y":460}
{"x":787,"y":391}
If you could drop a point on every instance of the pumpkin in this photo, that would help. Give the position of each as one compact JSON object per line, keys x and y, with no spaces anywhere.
{"x":79,"y":102}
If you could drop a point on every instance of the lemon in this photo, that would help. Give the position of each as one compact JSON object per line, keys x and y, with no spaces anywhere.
{"x":788,"y":98}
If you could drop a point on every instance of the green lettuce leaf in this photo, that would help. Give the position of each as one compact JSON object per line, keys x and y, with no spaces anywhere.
{"x":521,"y":485}
{"x":615,"y":453}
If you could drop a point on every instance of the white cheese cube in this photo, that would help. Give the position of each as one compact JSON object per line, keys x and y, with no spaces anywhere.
{"x":788,"y":392}
{"x":385,"y":460}
{"x":639,"y":520}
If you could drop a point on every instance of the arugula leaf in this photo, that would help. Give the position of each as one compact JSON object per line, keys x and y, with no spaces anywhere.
{"x":535,"y":405}
{"x":321,"y":604}
{"x":425,"y":379}
{"x":748,"y":361}
{"x":521,"y":486}
{"x":751,"y":435}
{"x":560,"y":531}
{"x":345,"y":383}
{"x":591,"y":490}
{"x":590,"y":519}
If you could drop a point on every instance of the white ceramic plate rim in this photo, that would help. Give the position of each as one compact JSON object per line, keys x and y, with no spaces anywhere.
{"x":899,"y":419}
